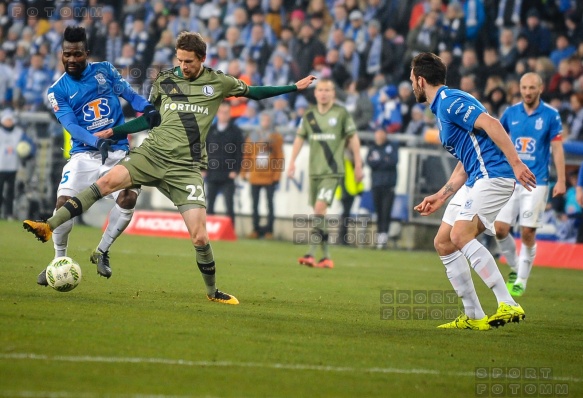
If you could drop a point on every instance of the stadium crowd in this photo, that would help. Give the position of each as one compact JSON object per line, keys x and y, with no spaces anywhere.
{"x":364,"y":46}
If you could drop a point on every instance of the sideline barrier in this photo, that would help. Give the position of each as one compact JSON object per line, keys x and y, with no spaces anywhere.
{"x":556,"y":254}
{"x":171,"y":225}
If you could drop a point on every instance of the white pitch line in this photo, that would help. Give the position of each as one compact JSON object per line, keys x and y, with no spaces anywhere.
{"x":225,"y":364}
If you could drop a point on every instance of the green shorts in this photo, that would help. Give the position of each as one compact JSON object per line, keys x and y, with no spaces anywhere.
{"x":182,"y":185}
{"x":323,"y":188}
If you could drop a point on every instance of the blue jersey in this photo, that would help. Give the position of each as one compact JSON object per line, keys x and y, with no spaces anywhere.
{"x":91,"y":104}
{"x":532,"y":135}
{"x":456,"y":113}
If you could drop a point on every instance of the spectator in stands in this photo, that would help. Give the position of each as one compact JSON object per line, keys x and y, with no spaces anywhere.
{"x":471,"y":65}
{"x":453,"y":76}
{"x":357,"y":30}
{"x":391,"y":119}
{"x":395,"y":42}
{"x":574,"y":28}
{"x":475,"y":14}
{"x":358,"y":104}
{"x":492,"y":65}
{"x":563,"y":49}
{"x":507,"y":50}
{"x":275,"y":16}
{"x":164,"y":50}
{"x":375,"y":56}
{"x":185,"y":22}
{"x":10,"y":136}
{"x":537,"y":34}
{"x":110,"y":47}
{"x":31,"y":85}
{"x":350,"y":59}
{"x":338,"y":71}
{"x":6,"y":81}
{"x":233,"y":38}
{"x":340,"y":21}
{"x":277,"y":71}
{"x":417,"y":125}
{"x":257,"y":48}
{"x":249,"y":119}
{"x":321,"y":30}
{"x":423,"y":38}
{"x":97,"y":33}
{"x":127,"y":58}
{"x":224,"y":144}
{"x":139,"y":39}
{"x":508,"y":14}
{"x":264,"y":161}
{"x":307,"y":49}
{"x":258,"y":18}
{"x":297,"y":19}
{"x":576,"y":119}
{"x":382,"y":158}
{"x":452,"y":30}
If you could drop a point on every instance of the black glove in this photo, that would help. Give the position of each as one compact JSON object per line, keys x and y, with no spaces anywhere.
{"x":152,"y":116}
{"x":104,"y":147}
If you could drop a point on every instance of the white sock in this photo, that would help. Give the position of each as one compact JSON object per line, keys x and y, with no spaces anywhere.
{"x":119,"y":219}
{"x":458,"y":273}
{"x":508,"y":249}
{"x":61,"y":237}
{"x":525,"y":261}
{"x":485,"y":266}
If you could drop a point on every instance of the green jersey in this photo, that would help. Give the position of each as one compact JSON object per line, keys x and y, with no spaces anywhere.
{"x":327,"y":134}
{"x":188,"y":108}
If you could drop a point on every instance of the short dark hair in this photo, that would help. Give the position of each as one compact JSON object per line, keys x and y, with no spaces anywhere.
{"x":75,"y":34}
{"x":191,"y":41}
{"x":430,"y":67}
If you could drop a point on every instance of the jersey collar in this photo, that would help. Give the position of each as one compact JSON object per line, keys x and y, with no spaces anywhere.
{"x":536,"y":111}
{"x":433,"y":105}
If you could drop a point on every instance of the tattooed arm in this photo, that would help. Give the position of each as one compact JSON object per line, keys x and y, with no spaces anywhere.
{"x":431,"y":203}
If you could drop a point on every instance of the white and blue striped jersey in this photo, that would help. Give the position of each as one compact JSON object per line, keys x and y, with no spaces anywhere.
{"x":91,"y":104}
{"x":456,"y":112}
{"x":532,"y":135}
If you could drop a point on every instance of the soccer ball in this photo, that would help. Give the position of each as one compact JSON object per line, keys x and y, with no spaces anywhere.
{"x":63,"y":274}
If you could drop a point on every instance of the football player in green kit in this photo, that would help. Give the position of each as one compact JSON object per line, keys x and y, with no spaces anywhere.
{"x":329,"y":129}
{"x":171,"y":158}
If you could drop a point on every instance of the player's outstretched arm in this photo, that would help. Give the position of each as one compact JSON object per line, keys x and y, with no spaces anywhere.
{"x":262,"y":92}
{"x":496,"y":132}
{"x":431,"y":203}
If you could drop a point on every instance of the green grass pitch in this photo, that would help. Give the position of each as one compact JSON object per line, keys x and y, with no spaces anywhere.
{"x":149,"y":331}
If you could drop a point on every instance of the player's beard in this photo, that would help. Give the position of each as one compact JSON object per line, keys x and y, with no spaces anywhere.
{"x":420,"y":95}
{"x":76,"y":73}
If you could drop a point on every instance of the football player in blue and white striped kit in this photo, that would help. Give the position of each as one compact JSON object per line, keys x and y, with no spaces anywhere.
{"x":482,"y":182}
{"x":85,"y":100}
{"x":535,"y":128}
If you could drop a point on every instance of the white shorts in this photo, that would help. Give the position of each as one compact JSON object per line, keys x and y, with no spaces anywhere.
{"x":484,"y":199}
{"x":525,"y":206}
{"x":84,"y":168}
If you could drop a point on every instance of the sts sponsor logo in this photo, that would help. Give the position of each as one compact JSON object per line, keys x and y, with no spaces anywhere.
{"x":525,"y":146}
{"x":96,"y":113}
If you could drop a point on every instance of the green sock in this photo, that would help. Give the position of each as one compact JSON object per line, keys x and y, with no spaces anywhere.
{"x":206,"y":265}
{"x":75,"y":206}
